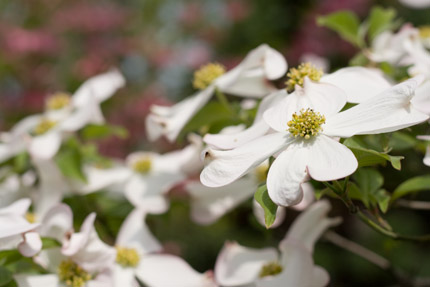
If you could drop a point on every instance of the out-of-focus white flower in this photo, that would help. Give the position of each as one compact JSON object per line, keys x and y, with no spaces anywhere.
{"x":136,"y":257}
{"x":238,"y":266}
{"x":17,"y":231}
{"x":15,"y":186}
{"x":426,"y":159}
{"x":425,"y":36}
{"x":391,"y":47}
{"x":305,"y":142}
{"x":319,"y":62}
{"x":416,"y":4}
{"x":82,"y":260}
{"x":153,"y":175}
{"x":42,"y":134}
{"x":248,"y":79}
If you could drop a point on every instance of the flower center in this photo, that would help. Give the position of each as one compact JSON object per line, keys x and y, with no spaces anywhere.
{"x":424,"y":31}
{"x":306,"y":123}
{"x":204,"y":76}
{"x":30,"y":217}
{"x":127,"y":257}
{"x":57,"y":101}
{"x":297,"y":75}
{"x":44,"y":126}
{"x":143,"y":165}
{"x":269,"y":269}
{"x":261,"y":172}
{"x":72,"y":274}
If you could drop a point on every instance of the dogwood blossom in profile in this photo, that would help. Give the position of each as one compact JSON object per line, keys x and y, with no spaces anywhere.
{"x":42,"y":134}
{"x":237,"y":265}
{"x":153,"y":175}
{"x":82,"y":260}
{"x":17,"y":231}
{"x":137,"y":258}
{"x":305,"y":142}
{"x":248,"y":79}
{"x":391,"y":47}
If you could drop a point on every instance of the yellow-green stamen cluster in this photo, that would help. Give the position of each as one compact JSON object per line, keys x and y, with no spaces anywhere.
{"x":127,"y":257}
{"x":72,"y":274}
{"x":30,"y":217}
{"x":261,"y":172}
{"x":204,"y":76}
{"x":270,"y":269}
{"x":297,"y":75}
{"x":424,"y":31}
{"x":58,"y":101}
{"x":305,"y":124}
{"x":44,"y":126}
{"x":142,"y":165}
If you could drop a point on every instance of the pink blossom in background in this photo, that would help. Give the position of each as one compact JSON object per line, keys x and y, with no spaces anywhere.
{"x":89,"y":17}
{"x":190,"y":14}
{"x":195,"y":55}
{"x":18,"y":41}
{"x":237,"y":10}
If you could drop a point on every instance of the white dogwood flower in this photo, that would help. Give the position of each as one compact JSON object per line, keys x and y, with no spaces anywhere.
{"x":248,"y":79}
{"x":42,"y":134}
{"x":241,"y":266}
{"x":305,"y":141}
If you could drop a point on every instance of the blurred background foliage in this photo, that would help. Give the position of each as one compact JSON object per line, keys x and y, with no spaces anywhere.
{"x":52,"y":45}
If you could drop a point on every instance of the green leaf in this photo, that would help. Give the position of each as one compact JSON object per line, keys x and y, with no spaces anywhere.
{"x":382,"y":197}
{"x":208,"y":116}
{"x":380,"y":19}
{"x":5,"y":276}
{"x":69,"y":160}
{"x":9,"y":256}
{"x":415,"y":184}
{"x":345,"y":23}
{"x":402,"y":141}
{"x":368,"y":157}
{"x":21,"y":162}
{"x":93,"y":132}
{"x":49,"y":243}
{"x":270,"y":208}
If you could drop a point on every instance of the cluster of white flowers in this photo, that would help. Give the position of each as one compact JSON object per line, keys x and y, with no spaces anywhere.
{"x":296,"y":135}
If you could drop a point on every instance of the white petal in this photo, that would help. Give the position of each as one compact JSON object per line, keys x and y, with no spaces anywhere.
{"x":147,"y":192}
{"x":386,"y":112}
{"x":14,"y":225}
{"x":208,"y":203}
{"x":169,"y":121}
{"x":239,"y":265}
{"x":359,"y":83}
{"x":83,"y":115}
{"x":45,"y":146}
{"x":227,"y":166}
{"x":251,"y":83}
{"x":310,"y":225}
{"x":101,"y":87}
{"x":123,"y":277}
{"x":259,"y":214}
{"x":275,"y":65}
{"x":330,"y":160}
{"x":231,"y":141}
{"x":297,"y":270}
{"x":421,"y":101}
{"x":25,"y":280}
{"x":168,"y":270}
{"x":324,"y":98}
{"x":287,"y":173}
{"x":426,"y":159}
{"x":57,"y":222}
{"x":31,"y":245}
{"x":308,"y":197}
{"x":19,"y":207}
{"x":320,"y":277}
{"x":101,"y":178}
{"x":135,"y":234}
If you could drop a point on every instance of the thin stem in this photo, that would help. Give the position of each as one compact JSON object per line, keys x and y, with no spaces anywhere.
{"x":413,"y":204}
{"x":389,"y":233}
{"x":357,"y":250}
{"x":223,"y":99}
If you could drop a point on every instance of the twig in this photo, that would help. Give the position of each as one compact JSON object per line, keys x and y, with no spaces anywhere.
{"x":413,"y":204}
{"x":358,"y":250}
